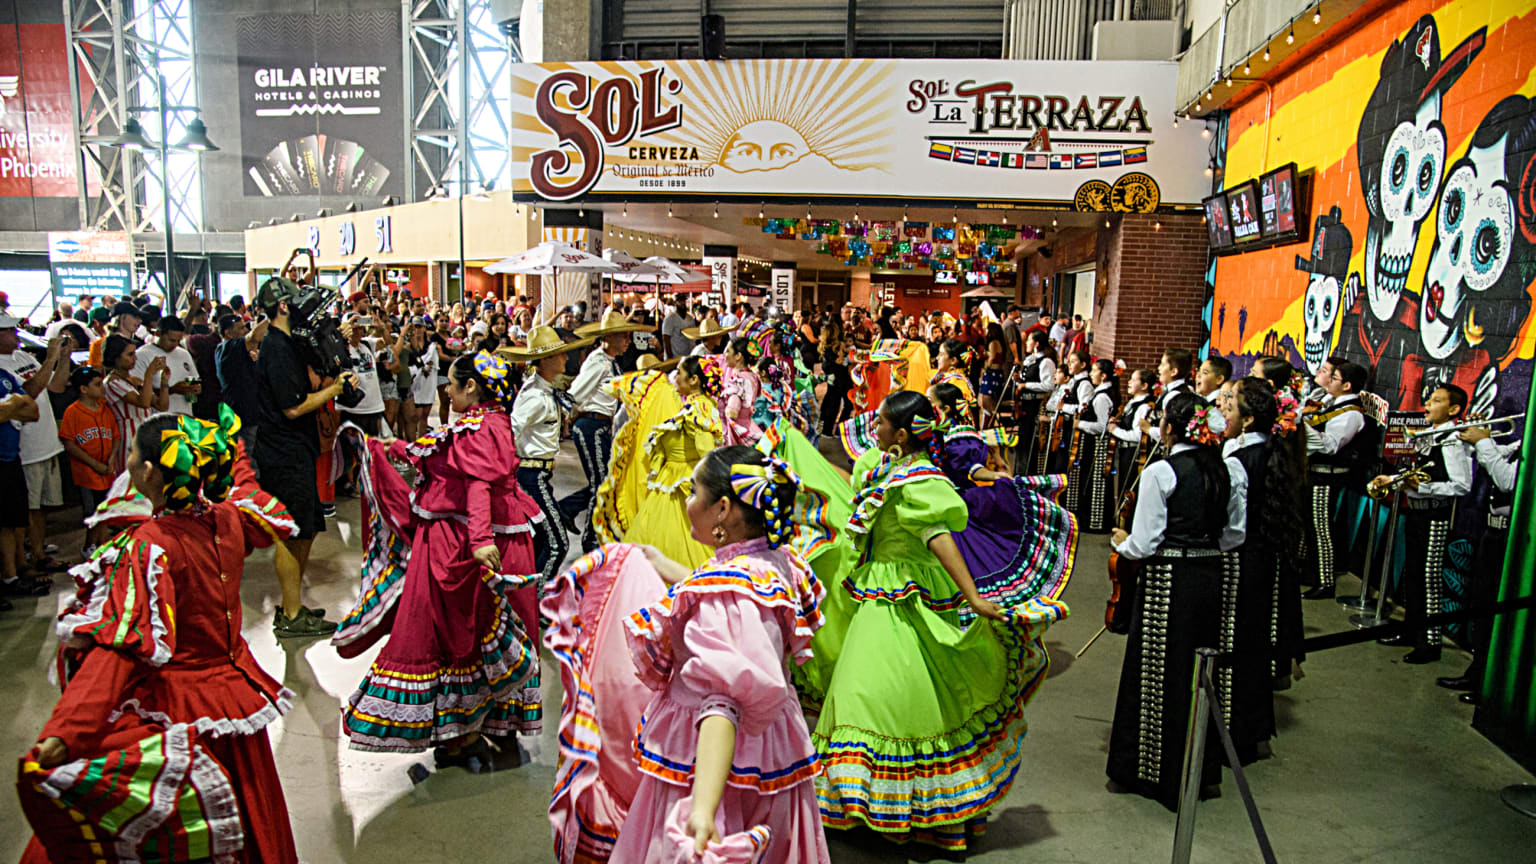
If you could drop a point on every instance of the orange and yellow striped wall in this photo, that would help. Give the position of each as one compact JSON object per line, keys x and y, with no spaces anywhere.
{"x":1418,"y":126}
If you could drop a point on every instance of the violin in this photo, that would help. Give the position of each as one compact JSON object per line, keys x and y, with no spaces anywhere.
{"x":1123,"y":572}
{"x":1073,"y":457}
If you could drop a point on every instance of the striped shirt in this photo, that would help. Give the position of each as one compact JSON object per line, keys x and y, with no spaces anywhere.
{"x":120,"y":396}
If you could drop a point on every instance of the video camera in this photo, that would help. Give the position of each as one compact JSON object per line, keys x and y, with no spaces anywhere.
{"x":317,"y":332}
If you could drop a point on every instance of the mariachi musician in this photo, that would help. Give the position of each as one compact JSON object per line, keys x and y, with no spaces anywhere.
{"x":1338,"y":447}
{"x":1078,"y":393}
{"x":1096,"y":507}
{"x":1036,"y":377}
{"x":1173,"y":372}
{"x":1502,"y":462}
{"x":1429,"y":507}
{"x":1131,"y":443}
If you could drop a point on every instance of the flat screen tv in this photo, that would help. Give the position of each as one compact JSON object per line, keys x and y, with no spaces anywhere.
{"x":1243,"y":208}
{"x":944,"y":277}
{"x":1217,"y":224}
{"x":1278,"y":203}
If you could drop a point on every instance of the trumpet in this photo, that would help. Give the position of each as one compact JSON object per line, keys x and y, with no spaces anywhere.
{"x":1497,"y":426}
{"x":1379,"y":491}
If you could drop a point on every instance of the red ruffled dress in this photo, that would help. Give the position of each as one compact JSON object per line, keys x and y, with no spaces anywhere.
{"x":461,"y":656}
{"x":715,"y":646}
{"x":151,"y":647}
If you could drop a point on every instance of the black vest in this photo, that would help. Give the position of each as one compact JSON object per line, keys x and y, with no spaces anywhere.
{"x":1031,"y":369}
{"x":1255,"y":461}
{"x":1073,"y":383}
{"x":1196,"y":515}
{"x":1357,"y":451}
{"x":1090,"y":412}
{"x":1128,"y":416}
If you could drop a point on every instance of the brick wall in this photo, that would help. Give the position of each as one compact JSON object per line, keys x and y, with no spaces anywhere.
{"x":1156,"y":268}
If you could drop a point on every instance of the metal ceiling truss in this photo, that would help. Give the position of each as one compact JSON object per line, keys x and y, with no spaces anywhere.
{"x":440,"y":90}
{"x":122,"y":48}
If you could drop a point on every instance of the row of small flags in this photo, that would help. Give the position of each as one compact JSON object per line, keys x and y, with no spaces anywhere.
{"x":1037,"y":161}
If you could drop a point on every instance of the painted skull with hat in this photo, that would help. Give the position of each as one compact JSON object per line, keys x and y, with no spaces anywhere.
{"x":1331,"y":247}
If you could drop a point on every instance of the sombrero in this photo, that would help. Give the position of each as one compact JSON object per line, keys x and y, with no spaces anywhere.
{"x":648,"y":362}
{"x":611,"y":323}
{"x":543,"y":342}
{"x":708,"y":330}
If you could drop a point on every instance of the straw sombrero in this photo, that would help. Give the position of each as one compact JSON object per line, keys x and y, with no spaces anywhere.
{"x":543,"y":342}
{"x":612,"y":322}
{"x":647,"y":362}
{"x":707,"y":330}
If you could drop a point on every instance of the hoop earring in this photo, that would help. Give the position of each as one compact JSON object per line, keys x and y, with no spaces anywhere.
{"x":718,"y":533}
{"x":893,"y":451}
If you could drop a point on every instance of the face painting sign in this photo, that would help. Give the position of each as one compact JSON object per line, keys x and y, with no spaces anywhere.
{"x":1098,"y":136}
{"x":320,"y":104}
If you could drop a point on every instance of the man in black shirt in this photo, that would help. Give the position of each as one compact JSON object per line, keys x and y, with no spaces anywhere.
{"x":286,"y":450}
{"x":235,"y":370}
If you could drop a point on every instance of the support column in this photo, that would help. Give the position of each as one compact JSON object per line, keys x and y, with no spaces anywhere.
{"x":785,"y":288}
{"x":1154,"y":267}
{"x":721,"y":261}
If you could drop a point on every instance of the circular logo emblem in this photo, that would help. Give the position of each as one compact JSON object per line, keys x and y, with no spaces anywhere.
{"x":1092,"y":197}
{"x":1135,"y":193}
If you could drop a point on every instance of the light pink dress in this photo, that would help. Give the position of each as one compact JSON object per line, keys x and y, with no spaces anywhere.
{"x":715,"y":646}
{"x":738,"y":393}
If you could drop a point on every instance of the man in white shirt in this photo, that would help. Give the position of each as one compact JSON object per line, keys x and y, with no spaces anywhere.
{"x":537,"y":418}
{"x":178,"y":362}
{"x":40,"y":445}
{"x":592,"y":428}
{"x":1336,"y":450}
{"x":369,"y":413}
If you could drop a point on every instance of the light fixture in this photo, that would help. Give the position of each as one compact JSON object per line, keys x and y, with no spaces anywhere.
{"x":273,"y":221}
{"x":1247,"y":70}
{"x":1207,"y":170}
{"x":1206,"y":132}
{"x":196,"y":137}
{"x":534,"y":212}
{"x":254,"y":225}
{"x":581,"y":212}
{"x":295,"y":218}
{"x":855,"y":212}
{"x":483,"y":191}
{"x":132,"y":137}
{"x":351,"y":207}
{"x":1106,"y":222}
{"x":1053,"y":221}
{"x":760,"y":209}
{"x":1157,"y":226}
{"x":1229,"y":81}
{"x":717,"y":209}
{"x":1207,"y":95}
{"x":1290,"y":37}
{"x":1005,"y":218}
{"x":1317,"y":14}
{"x":390,"y":201}
{"x":669,"y":211}
{"x":1175,"y":121}
{"x":807,"y":211}
{"x":903,"y":214}
{"x":955,"y":216}
{"x":626,"y":208}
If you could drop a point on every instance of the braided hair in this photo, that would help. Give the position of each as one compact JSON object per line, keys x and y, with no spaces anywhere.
{"x":914,"y":413}
{"x":1279,"y":519}
{"x":489,"y":372}
{"x":959,"y":352}
{"x":708,"y":374}
{"x":765,"y":488}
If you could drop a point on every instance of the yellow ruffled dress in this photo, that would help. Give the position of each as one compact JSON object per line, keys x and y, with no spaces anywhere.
{"x":672,"y":449}
{"x":648,"y":398}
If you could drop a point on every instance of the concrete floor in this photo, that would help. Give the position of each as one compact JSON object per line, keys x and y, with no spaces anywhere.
{"x":1374,"y":763}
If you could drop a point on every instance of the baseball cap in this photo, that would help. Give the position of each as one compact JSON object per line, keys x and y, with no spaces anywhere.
{"x":126,"y":308}
{"x":101,"y":315}
{"x":228,"y":321}
{"x":356,"y":296}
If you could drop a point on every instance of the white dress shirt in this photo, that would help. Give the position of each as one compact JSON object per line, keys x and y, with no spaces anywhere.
{"x":1157,"y":483}
{"x":1458,"y":469}
{"x":1133,"y":434}
{"x":1080,"y":385}
{"x":1247,"y":439}
{"x":1047,"y":374}
{"x":588,"y":390}
{"x":1333,"y":435}
{"x":1103,"y":407}
{"x":1174,"y":387}
{"x":536,"y":420}
{"x":1053,"y":401}
{"x":1214,"y":418}
{"x":1502,"y":462}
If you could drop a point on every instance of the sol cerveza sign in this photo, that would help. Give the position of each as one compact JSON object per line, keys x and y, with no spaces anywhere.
{"x":1094,"y":135}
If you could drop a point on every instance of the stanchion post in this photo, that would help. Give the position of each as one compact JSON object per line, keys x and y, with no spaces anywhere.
{"x":1365,"y":620}
{"x":1360,"y":604}
{"x":1194,"y":755}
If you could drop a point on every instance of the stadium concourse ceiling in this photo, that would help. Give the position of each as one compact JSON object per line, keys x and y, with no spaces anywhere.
{"x":741,"y":225}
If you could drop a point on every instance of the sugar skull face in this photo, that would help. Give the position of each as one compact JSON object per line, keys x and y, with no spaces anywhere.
{"x":1475,"y":236}
{"x":1320,"y":309}
{"x":1399,"y":194}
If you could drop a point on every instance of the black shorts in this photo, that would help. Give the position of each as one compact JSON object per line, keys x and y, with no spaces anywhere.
{"x":13,"y":504}
{"x":291,"y":479}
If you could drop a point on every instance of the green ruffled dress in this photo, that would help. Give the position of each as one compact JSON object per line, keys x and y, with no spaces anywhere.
{"x":922,"y":720}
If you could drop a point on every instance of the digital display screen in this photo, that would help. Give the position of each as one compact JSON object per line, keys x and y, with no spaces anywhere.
{"x":944,"y":277}
{"x":1243,"y":207}
{"x":1277,"y":203}
{"x":1217,"y":225}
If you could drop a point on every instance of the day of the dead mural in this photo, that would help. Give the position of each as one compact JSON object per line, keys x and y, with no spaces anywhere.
{"x":1421,"y":153}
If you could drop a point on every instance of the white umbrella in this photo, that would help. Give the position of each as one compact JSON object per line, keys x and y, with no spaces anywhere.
{"x":551,"y":258}
{"x":629,"y":265}
{"x":986,"y":291}
{"x":666,"y":271}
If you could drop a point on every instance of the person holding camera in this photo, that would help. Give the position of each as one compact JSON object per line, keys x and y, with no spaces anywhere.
{"x":184,"y":383}
{"x":286,"y":452}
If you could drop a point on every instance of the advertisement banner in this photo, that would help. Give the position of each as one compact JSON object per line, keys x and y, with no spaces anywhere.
{"x":321,"y":103}
{"x":37,"y":151}
{"x":1097,"y":136}
{"x":97,"y":263}
{"x":722,"y":279}
{"x":782,"y":280}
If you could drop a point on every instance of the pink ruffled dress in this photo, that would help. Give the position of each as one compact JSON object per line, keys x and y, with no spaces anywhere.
{"x":738,"y":393}
{"x":715,"y":646}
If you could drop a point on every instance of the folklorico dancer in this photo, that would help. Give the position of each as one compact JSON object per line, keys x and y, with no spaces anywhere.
{"x":1189,"y":506}
{"x":592,"y":425}
{"x":1095,"y":506}
{"x":162,"y":723}
{"x":462,"y":658}
{"x":1263,"y":441}
{"x":1428,"y":509}
{"x":538,"y":417}
{"x":1337,"y":449}
{"x":1502,"y":462}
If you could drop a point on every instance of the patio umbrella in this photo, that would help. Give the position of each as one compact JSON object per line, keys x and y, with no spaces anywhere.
{"x":551,"y":258}
{"x":667,"y":271}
